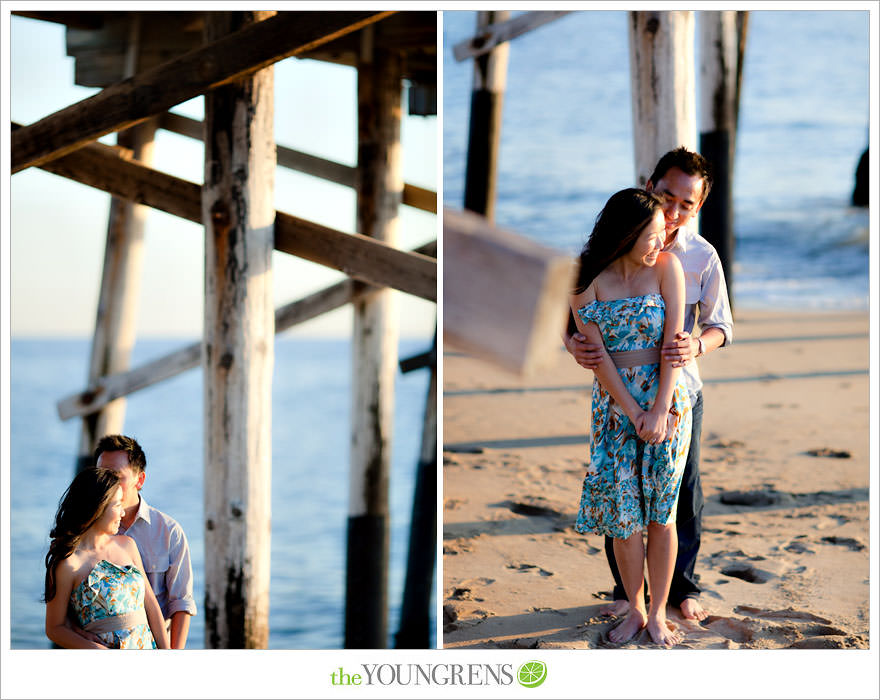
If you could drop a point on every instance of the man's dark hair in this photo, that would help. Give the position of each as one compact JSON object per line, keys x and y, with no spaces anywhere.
{"x":689,"y":163}
{"x":122,"y":443}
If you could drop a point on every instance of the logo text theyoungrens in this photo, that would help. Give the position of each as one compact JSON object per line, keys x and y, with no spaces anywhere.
{"x":425,"y":674}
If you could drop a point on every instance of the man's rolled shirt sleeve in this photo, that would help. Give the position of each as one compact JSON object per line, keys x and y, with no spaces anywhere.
{"x":714,"y":308}
{"x":179,"y":577}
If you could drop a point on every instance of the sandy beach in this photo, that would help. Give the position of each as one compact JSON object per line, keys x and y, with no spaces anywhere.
{"x":784,"y":560}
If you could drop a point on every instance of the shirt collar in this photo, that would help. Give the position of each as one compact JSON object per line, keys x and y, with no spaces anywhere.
{"x":143,"y":512}
{"x":683,"y":236}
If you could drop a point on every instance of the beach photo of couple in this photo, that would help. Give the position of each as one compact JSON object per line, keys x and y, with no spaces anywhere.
{"x":439,"y":350}
{"x":687,"y":463}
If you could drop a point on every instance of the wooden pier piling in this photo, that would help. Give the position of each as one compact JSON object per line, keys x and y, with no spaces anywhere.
{"x":662,"y":71}
{"x":414,"y":631}
{"x":374,"y":350}
{"x":484,"y":135}
{"x":722,"y":43}
{"x":119,"y":295}
{"x":238,"y":349}
{"x":119,"y":298}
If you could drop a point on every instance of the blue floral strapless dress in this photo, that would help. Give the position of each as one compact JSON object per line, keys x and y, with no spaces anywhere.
{"x":630,"y":483}
{"x":108,"y":591}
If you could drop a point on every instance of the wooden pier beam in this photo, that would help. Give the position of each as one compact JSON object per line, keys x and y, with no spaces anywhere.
{"x":662,"y":71}
{"x":374,"y":347}
{"x":484,"y":135}
{"x":119,"y":295}
{"x":155,"y":90}
{"x":238,"y":349}
{"x":722,"y":43}
{"x":364,"y":258}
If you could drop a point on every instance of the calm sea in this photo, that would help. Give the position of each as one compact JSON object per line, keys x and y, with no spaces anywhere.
{"x":310,"y":439}
{"x":804,"y":113}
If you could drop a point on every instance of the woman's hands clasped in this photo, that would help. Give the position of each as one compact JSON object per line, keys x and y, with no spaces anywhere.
{"x":654,"y":426}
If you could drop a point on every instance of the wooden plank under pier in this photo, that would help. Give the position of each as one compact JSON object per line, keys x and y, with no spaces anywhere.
{"x":506,"y":297}
{"x":108,"y":168}
{"x":155,"y":90}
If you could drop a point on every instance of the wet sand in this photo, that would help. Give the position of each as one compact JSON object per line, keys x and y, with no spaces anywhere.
{"x":785,"y":470}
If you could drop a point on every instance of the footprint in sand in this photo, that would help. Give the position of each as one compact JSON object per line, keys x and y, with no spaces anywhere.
{"x":828,"y":452}
{"x":798,"y":548}
{"x":754,"y":499}
{"x":795,"y":629}
{"x":577,"y":544}
{"x":731,"y":628}
{"x":533,"y":507}
{"x":534,"y":568}
{"x":786,"y":614}
{"x":851,"y":542}
{"x":747,"y":573}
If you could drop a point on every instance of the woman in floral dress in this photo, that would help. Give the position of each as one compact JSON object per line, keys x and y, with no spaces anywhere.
{"x":97,"y":575}
{"x":630,"y":296}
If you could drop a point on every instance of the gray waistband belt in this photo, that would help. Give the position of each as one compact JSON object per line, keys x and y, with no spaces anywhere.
{"x":634,"y":358}
{"x":117,"y":622}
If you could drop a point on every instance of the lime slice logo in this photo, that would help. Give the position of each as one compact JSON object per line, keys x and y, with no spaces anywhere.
{"x":531,"y":674}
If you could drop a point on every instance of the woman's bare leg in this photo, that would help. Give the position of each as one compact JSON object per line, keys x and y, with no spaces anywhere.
{"x":662,"y":550}
{"x":630,"y":556}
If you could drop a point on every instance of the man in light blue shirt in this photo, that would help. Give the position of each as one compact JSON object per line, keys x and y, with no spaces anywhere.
{"x":160,"y":539}
{"x":682,"y":179}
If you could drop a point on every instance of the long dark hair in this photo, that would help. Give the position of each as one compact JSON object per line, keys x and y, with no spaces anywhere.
{"x":617,"y":229}
{"x":80,"y":506}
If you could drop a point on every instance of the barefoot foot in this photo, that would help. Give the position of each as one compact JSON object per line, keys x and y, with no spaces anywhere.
{"x":626,"y":630}
{"x":618,"y":608}
{"x":662,"y":632}
{"x":692,"y":610}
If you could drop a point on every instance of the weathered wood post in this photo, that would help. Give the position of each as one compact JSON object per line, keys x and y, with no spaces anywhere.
{"x":415,"y":618}
{"x":119,"y":296}
{"x":374,"y":350}
{"x":662,"y":71}
{"x":238,"y":211}
{"x":484,"y":135}
{"x":722,"y":41}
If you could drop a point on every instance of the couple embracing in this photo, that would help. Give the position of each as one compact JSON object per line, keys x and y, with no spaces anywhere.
{"x":645,"y":279}
{"x":118,"y":572}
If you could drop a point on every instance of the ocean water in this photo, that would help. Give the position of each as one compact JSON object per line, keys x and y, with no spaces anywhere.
{"x":567,"y":145}
{"x":310,"y":439}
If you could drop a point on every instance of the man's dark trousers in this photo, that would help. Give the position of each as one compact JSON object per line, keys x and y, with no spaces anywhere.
{"x":688,"y":522}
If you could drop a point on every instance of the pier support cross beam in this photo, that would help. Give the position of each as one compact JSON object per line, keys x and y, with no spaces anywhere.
{"x":238,"y":349}
{"x":374,"y":350}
